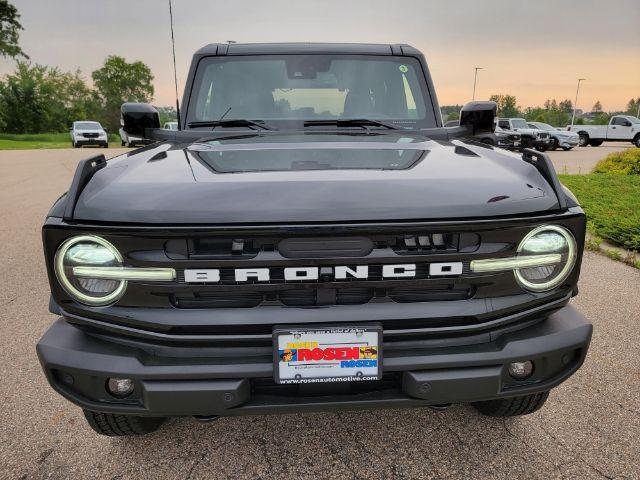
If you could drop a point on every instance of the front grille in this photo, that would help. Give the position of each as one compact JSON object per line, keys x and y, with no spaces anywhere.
{"x":246,"y":311}
{"x":90,"y":135}
{"x":543,"y":135}
{"x":319,"y":296}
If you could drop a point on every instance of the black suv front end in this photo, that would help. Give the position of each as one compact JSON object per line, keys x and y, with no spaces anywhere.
{"x":207,"y":349}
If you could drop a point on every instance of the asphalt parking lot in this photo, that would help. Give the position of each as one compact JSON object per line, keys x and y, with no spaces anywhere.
{"x":590,"y":427}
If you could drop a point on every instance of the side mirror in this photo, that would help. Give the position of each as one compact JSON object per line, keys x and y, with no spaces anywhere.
{"x":478,"y":117}
{"x":136,"y":118}
{"x":627,"y":124}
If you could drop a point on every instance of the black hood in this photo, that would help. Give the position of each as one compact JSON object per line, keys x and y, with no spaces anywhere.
{"x":172,"y":183}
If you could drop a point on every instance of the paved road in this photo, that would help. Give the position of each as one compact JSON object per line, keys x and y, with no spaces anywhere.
{"x":590,"y":427}
{"x":583,"y":159}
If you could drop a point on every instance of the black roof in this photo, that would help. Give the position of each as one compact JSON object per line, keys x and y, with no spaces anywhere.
{"x":305,"y":48}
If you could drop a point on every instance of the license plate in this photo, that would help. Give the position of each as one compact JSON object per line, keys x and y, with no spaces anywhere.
{"x":516,"y":144}
{"x":328,"y":354}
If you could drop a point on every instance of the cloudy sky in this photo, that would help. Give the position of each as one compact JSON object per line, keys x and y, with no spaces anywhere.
{"x":532,"y":49}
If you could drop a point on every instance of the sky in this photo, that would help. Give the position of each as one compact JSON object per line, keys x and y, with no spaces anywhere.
{"x":531,"y":49}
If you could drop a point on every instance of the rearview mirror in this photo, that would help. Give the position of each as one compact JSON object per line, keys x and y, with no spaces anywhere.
{"x":478,"y":117}
{"x":136,"y":118}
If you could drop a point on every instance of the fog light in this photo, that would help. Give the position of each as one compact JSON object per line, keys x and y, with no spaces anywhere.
{"x":120,"y":387}
{"x":521,"y":370}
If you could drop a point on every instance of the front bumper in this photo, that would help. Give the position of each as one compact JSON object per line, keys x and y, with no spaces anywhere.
{"x":542,"y":143}
{"x":185,"y":381}
{"x":568,"y":142}
{"x":91,"y":141}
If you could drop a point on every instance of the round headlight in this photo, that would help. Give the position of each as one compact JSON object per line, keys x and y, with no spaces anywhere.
{"x":88,"y":251}
{"x":547,"y":240}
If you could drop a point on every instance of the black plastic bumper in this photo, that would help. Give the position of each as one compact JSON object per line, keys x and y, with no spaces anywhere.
{"x":81,"y":143}
{"x":77,"y":366}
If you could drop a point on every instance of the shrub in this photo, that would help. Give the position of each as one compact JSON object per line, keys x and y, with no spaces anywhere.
{"x":626,"y":162}
{"x":611,"y":204}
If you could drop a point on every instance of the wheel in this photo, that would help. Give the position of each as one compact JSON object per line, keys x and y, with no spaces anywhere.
{"x":106,"y":145}
{"x":115,"y":425}
{"x":554,"y":144}
{"x":73,"y":144}
{"x":636,"y":141}
{"x":541,"y":149}
{"x":511,"y":407}
{"x":584,"y":140}
{"x":122,"y":143}
{"x":595,"y":143}
{"x":566,"y":149}
{"x":488,"y":141}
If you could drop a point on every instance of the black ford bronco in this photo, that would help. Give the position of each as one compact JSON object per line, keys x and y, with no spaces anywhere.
{"x":311,"y":238}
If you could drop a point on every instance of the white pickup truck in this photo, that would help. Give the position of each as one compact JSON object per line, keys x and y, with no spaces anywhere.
{"x":621,"y":128}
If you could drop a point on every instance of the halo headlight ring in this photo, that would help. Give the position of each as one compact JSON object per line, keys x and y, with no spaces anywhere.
{"x":566,"y":269}
{"x":70,"y":288}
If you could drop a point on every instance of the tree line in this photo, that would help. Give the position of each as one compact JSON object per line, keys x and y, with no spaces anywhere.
{"x":557,"y":114}
{"x":40,"y":99}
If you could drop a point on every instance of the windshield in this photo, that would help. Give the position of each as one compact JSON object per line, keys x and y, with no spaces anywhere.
{"x":87,"y":126}
{"x":633,"y":119}
{"x":310,"y":87}
{"x":544,"y":126}
{"x":519,"y":123}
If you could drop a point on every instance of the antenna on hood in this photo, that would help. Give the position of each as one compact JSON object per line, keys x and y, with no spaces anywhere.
{"x":175,"y":72}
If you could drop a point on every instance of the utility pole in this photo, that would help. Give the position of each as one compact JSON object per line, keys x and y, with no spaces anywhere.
{"x":475,"y":79}
{"x":575,"y":104}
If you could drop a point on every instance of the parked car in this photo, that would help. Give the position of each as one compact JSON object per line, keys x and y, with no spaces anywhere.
{"x":88,"y":133}
{"x":621,"y":128}
{"x":170,"y":126}
{"x":128,"y":112}
{"x":506,"y":140}
{"x":340,"y":251}
{"x":530,"y":137}
{"x":559,"y":138}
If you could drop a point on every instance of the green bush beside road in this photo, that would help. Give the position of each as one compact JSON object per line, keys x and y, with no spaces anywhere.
{"x":626,"y":162}
{"x":611,"y":202}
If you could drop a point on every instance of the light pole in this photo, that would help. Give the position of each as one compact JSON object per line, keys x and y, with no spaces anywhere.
{"x":575,"y":104}
{"x":475,"y":79}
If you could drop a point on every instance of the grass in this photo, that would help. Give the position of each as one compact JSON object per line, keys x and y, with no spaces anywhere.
{"x":611,"y":202}
{"x":10,"y":141}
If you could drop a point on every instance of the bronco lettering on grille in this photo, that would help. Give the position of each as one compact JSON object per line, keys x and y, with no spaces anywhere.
{"x":359,"y":272}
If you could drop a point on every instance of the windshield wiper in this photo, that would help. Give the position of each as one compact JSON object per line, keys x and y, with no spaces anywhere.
{"x":238,"y":122}
{"x":351,"y":122}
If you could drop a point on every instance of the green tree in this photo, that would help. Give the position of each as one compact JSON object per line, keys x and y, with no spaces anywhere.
{"x":597,"y":107}
{"x":39,"y":99}
{"x":10,"y":31}
{"x":507,"y":105}
{"x":566,"y":106}
{"x":632,"y":106}
{"x":118,"y":82}
{"x":167,"y":114}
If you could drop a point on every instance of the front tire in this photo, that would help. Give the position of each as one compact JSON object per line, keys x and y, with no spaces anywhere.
{"x":595,"y":143}
{"x":512,"y":407}
{"x":541,"y":149}
{"x":636,"y":141}
{"x":566,"y":149}
{"x":554,"y":144}
{"x":115,"y":425}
